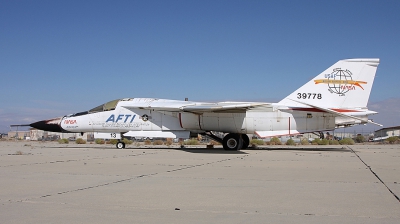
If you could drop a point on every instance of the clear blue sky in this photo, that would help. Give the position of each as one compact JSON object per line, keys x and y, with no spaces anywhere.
{"x":61,"y":57}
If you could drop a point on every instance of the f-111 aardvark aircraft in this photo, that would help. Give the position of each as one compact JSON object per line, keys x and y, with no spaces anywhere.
{"x":335,"y":98}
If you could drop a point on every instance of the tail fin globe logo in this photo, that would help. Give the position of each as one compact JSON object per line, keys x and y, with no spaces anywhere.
{"x":340,"y":81}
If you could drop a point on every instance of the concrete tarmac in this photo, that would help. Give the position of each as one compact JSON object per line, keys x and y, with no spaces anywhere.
{"x":54,"y":183}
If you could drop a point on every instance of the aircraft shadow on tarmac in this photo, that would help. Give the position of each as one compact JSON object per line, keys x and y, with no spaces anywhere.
{"x":216,"y":150}
{"x":330,"y":149}
{"x":222,"y":151}
{"x":209,"y":151}
{"x":191,"y":149}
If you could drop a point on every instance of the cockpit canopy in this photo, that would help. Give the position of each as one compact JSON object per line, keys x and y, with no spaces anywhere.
{"x":105,"y":107}
{"x":111,"y":105}
{"x":108,"y":106}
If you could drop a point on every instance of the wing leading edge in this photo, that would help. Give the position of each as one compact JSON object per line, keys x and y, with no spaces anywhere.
{"x":204,"y":107}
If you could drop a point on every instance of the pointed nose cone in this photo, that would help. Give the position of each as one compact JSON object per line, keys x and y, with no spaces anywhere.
{"x":52,"y":125}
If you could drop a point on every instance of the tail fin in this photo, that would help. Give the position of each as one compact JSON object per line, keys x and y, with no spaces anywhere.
{"x":346,"y":84}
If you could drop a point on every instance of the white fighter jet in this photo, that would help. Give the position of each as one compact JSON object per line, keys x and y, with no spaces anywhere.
{"x":335,"y":98}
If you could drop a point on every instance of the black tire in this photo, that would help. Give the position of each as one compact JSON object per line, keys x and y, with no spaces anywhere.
{"x":120,"y":145}
{"x":232,"y":142}
{"x":246,"y":141}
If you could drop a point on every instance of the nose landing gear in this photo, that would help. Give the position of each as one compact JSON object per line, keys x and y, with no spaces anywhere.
{"x":120,"y":145}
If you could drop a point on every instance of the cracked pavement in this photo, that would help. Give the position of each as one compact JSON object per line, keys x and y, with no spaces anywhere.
{"x":91,"y":183}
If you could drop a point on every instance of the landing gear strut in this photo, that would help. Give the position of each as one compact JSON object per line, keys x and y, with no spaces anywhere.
{"x":246,"y":141}
{"x":120,"y":144}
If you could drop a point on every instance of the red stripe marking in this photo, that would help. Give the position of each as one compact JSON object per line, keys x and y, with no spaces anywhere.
{"x":318,"y":110}
{"x":345,"y":110}
{"x":180,"y":120}
{"x":199,"y":121}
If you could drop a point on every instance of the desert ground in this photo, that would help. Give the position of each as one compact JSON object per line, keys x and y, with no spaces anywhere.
{"x":70,"y":183}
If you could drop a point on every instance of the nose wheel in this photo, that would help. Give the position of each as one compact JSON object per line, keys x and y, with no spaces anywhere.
{"x":120,"y":145}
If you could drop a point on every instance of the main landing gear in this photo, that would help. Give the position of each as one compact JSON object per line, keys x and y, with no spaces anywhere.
{"x":233,"y":142}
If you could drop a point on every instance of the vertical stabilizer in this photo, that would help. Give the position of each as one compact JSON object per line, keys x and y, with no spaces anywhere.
{"x":346,"y":84}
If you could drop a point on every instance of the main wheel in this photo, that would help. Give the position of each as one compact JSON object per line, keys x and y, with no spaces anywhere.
{"x":246,"y":141}
{"x":120,"y":145}
{"x":232,"y":142}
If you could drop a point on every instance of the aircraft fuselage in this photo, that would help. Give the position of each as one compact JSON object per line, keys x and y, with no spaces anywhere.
{"x":336,"y":97}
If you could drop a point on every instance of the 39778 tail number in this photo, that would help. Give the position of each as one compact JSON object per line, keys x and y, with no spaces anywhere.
{"x":309,"y":96}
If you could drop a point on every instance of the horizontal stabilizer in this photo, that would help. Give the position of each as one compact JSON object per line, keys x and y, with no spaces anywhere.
{"x":337,"y":113}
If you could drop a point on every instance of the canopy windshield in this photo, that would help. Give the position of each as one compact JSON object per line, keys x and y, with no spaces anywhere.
{"x":107,"y":106}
